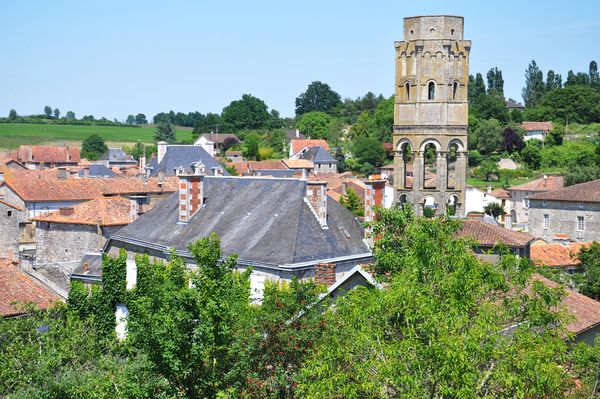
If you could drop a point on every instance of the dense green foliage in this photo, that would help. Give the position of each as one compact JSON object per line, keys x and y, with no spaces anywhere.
{"x":318,"y":97}
{"x":93,"y":147}
{"x":352,"y":202}
{"x":165,"y":131}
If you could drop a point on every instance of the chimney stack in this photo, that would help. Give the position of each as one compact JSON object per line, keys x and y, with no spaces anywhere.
{"x":62,"y":173}
{"x":374,"y":193}
{"x":545,"y":180}
{"x":162,"y":150}
{"x":325,"y":273}
{"x":142,"y":162}
{"x":190,"y":196}
{"x":508,"y":221}
{"x":316,"y":195}
{"x":134,"y":209}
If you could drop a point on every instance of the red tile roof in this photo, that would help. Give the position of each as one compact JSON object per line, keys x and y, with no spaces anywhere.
{"x":500,"y":193}
{"x":299,"y":144}
{"x":530,"y":126}
{"x":299,"y":163}
{"x":262,"y":165}
{"x":37,"y":190}
{"x":489,"y":235}
{"x":16,"y":287}
{"x":102,"y":211}
{"x":583,"y":192}
{"x":48,"y":154}
{"x":549,"y":184}
{"x":556,"y":255}
{"x":585,"y":310}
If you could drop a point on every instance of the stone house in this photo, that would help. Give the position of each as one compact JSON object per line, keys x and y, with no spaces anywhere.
{"x":213,"y":142}
{"x":298,"y":145}
{"x":116,"y":157}
{"x":234,"y":156}
{"x":280,"y":227}
{"x":519,"y":196}
{"x":39,"y":156}
{"x":323,"y":161}
{"x":12,"y":219}
{"x":571,"y":211}
{"x":181,"y":157}
{"x":536,"y":130}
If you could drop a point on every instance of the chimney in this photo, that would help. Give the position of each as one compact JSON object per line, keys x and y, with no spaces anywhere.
{"x":62,"y":173}
{"x":297,"y":133}
{"x":162,"y":150}
{"x":215,"y":171}
{"x":325,"y":273}
{"x":142,"y":162}
{"x":545,"y":180}
{"x":66,"y":211}
{"x":316,"y":195}
{"x":374,"y":193}
{"x":134,"y":209}
{"x":190,"y":196}
{"x":508,"y":221}
{"x":344,"y":187}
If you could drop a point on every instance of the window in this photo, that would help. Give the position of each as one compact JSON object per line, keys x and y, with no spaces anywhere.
{"x":580,"y":223}
{"x":525,"y":203}
{"x":130,"y":274}
{"x":9,"y":213}
{"x":454,"y":90}
{"x":431,"y":91}
{"x":407,"y":90}
{"x":543,"y":203}
{"x":257,"y":286}
{"x":546,"y":221}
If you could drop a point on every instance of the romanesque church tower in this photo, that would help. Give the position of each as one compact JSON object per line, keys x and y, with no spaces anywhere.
{"x":431,"y":114}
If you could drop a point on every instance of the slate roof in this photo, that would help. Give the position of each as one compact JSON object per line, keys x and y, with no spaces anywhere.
{"x":583,"y":192}
{"x":556,"y":254}
{"x":96,"y":170}
{"x":102,"y":211}
{"x":182,"y":156}
{"x":514,"y":105}
{"x":532,"y":126}
{"x":94,"y":268}
{"x":38,"y":190}
{"x":317,"y":155}
{"x":294,"y":134}
{"x":277,"y":173}
{"x":117,"y":155}
{"x":298,"y":145}
{"x":541,"y":184}
{"x":489,"y":235}
{"x":219,"y":138}
{"x":266,"y":221}
{"x":48,"y":154}
{"x":16,"y":286}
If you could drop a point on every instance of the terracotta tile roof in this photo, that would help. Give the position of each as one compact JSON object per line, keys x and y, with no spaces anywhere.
{"x":489,"y":235}
{"x":37,"y":190}
{"x":549,"y":184}
{"x":18,"y":287}
{"x":299,"y":163}
{"x":48,"y":154}
{"x":529,"y":126}
{"x":271,"y":165}
{"x":500,"y":193}
{"x":388,"y":167}
{"x":299,"y":144}
{"x":583,"y":192}
{"x":233,"y":152}
{"x":585,"y":310}
{"x":556,"y":254}
{"x":241,"y":168}
{"x":102,"y":211}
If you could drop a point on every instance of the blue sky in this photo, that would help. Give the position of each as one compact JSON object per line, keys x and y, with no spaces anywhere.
{"x":114,"y":58}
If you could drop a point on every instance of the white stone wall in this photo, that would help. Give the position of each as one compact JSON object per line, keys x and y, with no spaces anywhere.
{"x":562,"y":219}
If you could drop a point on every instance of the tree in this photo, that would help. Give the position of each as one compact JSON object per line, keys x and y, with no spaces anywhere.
{"x":495,"y":82}
{"x":70,"y":115}
{"x":368,"y":150}
{"x":532,"y":154}
{"x":93,"y":147}
{"x":48,"y":111}
{"x":555,"y":136}
{"x":440,"y":328}
{"x":317,"y":97}
{"x":553,"y":81}
{"x":577,"y":103}
{"x":88,"y":117}
{"x":581,"y":173}
{"x":56,"y":113}
{"x":589,"y":259}
{"x":130,"y":120}
{"x":265,"y":153}
{"x":494,"y":209}
{"x":352,"y":202}
{"x":12,"y":115}
{"x":489,"y":136}
{"x":248,"y":113}
{"x":476,"y":89}
{"x":315,"y":124}
{"x":165,"y":131}
{"x":594,"y":76}
{"x":140,"y":119}
{"x":488,"y":169}
{"x":492,"y":106}
{"x":511,"y":140}
{"x":250,"y":149}
{"x":534,"y":85}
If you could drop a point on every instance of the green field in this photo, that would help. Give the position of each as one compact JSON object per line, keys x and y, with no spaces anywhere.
{"x":12,"y":135}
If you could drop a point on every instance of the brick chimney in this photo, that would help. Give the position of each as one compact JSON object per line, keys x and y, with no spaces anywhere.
{"x":325,"y":273}
{"x":374,"y":194}
{"x":190,"y":195}
{"x":316,"y":194}
{"x":134,"y":209}
{"x":162,"y":150}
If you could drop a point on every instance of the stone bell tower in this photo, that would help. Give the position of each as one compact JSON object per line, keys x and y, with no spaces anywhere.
{"x":431,"y":114}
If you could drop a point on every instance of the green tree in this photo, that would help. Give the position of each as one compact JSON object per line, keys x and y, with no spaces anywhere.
{"x":248,"y":113}
{"x":93,"y":147}
{"x":56,"y":113}
{"x":12,"y":115}
{"x":555,"y":136}
{"x":368,"y":150}
{"x":476,"y":89}
{"x":532,"y":154}
{"x":489,"y":136}
{"x":581,"y":173}
{"x":251,"y":147}
{"x":206,"y":124}
{"x":594,"y":75}
{"x":130,"y":120}
{"x":494,"y":209}
{"x":352,"y":202}
{"x":495,"y":82}
{"x":534,"y":85}
{"x":439,"y":329}
{"x":140,"y":119}
{"x":315,"y":124}
{"x":165,"y":131}
{"x":489,"y":169}
{"x":48,"y":111}
{"x":577,"y":103}
{"x":70,"y":115}
{"x":589,"y":267}
{"x":318,"y":97}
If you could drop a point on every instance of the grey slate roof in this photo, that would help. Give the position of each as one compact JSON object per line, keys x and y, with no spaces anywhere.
{"x":94,"y":273}
{"x":317,"y":154}
{"x":183,"y":155}
{"x":266,"y":221}
{"x":276,"y":172}
{"x":97,"y":170}
{"x":117,"y":155}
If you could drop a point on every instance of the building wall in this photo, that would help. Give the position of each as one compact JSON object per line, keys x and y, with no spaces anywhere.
{"x":563,"y":219}
{"x":59,"y":242}
{"x":519,"y":203}
{"x":9,"y":229}
{"x":477,"y":199}
{"x":325,"y":168}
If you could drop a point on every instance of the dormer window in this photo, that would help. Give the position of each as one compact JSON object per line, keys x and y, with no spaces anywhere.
{"x":431,"y":91}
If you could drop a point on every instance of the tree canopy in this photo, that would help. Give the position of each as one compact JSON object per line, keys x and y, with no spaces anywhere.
{"x":318,"y":97}
{"x":93,"y":147}
{"x":247,"y":113}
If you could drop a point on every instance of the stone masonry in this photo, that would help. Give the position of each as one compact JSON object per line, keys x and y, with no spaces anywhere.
{"x":10,"y":219}
{"x":562,"y":219}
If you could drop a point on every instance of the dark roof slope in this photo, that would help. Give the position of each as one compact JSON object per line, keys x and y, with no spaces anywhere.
{"x":220,"y":138}
{"x":317,"y":154}
{"x":583,"y":192}
{"x":117,"y":155}
{"x":96,"y":170}
{"x":183,"y":156}
{"x":263,"y":220}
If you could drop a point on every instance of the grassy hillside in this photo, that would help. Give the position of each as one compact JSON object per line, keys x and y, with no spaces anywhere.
{"x":14,"y":134}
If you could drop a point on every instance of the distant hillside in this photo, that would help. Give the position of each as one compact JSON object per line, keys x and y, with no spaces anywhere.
{"x":12,"y":135}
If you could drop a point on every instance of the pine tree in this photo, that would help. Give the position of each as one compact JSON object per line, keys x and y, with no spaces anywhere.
{"x":534,"y":85}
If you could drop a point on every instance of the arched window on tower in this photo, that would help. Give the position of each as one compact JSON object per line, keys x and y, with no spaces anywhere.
{"x":454,"y":90}
{"x":430,"y":174}
{"x":451,"y":158}
{"x":431,"y":91}
{"x":407,"y":90}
